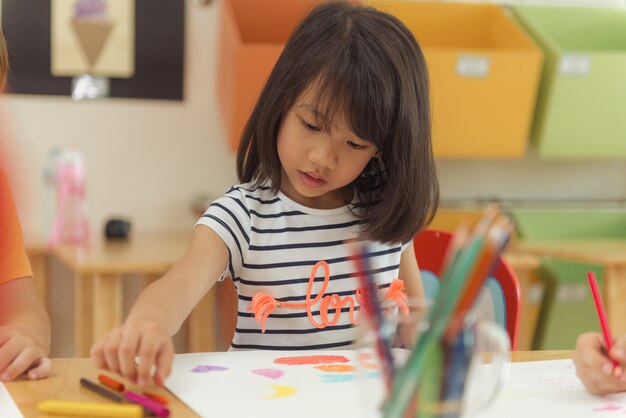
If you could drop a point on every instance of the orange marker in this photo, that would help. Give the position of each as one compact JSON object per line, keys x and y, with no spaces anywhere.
{"x":112,"y":383}
{"x":158,"y":398}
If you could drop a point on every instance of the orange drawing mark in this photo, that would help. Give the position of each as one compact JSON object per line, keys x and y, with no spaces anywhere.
{"x":370,"y":366}
{"x":336,"y":368}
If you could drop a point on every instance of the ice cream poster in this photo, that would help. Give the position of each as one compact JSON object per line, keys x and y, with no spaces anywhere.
{"x":95,"y":37}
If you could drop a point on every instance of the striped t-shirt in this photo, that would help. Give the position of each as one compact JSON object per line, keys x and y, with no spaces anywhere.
{"x":274,"y":243}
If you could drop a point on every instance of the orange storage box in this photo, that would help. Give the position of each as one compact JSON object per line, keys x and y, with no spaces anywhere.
{"x":253,"y":34}
{"x":484,"y":74}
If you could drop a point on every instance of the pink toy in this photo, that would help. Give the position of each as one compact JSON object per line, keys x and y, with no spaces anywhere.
{"x":70,"y":223}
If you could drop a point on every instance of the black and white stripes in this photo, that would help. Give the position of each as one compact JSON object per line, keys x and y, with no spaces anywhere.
{"x":274,"y":244}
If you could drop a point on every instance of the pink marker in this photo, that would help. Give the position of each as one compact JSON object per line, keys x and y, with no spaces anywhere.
{"x":604,"y":324}
{"x":159,"y":410}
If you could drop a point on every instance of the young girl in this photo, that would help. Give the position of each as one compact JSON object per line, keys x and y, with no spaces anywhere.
{"x":24,"y":323}
{"x":337,"y":148}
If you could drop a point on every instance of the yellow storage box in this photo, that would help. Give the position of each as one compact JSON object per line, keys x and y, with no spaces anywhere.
{"x":484,"y":73}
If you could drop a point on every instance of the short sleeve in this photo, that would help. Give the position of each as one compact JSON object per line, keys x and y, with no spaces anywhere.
{"x":14,"y":262}
{"x":229,"y":217}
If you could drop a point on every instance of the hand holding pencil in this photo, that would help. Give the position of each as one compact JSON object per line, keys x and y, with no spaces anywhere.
{"x":595,"y":368}
{"x":148,"y":340}
{"x":598,"y":359}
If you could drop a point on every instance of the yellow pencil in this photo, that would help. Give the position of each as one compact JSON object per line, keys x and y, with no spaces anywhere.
{"x":90,"y":409}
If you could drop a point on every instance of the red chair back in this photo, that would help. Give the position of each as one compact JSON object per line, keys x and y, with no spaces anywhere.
{"x":430,"y":249}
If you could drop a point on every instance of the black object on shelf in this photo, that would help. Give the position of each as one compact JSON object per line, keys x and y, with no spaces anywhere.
{"x":117,"y":229}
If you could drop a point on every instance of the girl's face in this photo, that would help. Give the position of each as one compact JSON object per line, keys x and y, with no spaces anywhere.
{"x":318,"y":166}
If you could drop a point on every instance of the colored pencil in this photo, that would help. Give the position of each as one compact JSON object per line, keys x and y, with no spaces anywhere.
{"x":101,"y":390}
{"x":460,"y":283}
{"x":159,"y":410}
{"x":110,"y":382}
{"x":160,"y":399}
{"x":495,"y":240}
{"x":90,"y":409}
{"x":372,"y":308}
{"x":407,"y":379}
{"x":604,"y":323}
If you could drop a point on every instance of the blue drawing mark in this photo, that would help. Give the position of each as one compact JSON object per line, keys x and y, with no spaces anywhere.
{"x":202,"y":368}
{"x":346,"y":377}
{"x":337,"y":378}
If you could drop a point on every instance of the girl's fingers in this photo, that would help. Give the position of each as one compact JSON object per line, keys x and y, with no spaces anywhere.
{"x":164,"y":361}
{"x":97,"y":354}
{"x":110,"y":345}
{"x":8,"y":352}
{"x":590,"y":349}
{"x":618,"y":352}
{"x":148,"y":348}
{"x":118,"y":350}
{"x":127,"y":350}
{"x":42,"y":369}
{"x":22,"y":361}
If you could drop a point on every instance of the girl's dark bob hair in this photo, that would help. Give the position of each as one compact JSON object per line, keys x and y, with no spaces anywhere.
{"x":367,"y":68}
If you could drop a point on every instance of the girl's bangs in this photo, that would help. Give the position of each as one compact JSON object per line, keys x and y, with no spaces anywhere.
{"x":354,"y":97}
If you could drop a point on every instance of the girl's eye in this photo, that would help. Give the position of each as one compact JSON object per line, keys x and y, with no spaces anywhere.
{"x":310,"y":127}
{"x":354,"y":145}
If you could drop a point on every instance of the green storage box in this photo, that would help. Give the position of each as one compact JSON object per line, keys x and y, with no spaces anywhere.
{"x":557,"y":224}
{"x":567,"y":309}
{"x":582,"y":97}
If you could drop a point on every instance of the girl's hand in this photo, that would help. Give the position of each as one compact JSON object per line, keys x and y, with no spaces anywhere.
{"x":595,"y":368}
{"x":148,"y":340}
{"x":20,"y":353}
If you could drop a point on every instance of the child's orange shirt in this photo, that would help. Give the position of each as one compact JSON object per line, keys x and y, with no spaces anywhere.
{"x":13,"y":260}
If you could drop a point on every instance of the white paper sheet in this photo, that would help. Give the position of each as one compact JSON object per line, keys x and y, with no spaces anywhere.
{"x":243,"y":383}
{"x":550,"y":389}
{"x":8,"y":408}
{"x":250,"y":384}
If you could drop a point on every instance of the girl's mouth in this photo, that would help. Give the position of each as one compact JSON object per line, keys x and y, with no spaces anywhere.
{"x":310,"y":180}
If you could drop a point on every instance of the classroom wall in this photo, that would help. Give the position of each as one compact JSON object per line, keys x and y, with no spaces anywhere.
{"x":144,"y":159}
{"x":147,"y":160}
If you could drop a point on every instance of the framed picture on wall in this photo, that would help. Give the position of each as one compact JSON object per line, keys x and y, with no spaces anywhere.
{"x":142,"y":53}
{"x":94,"y":37}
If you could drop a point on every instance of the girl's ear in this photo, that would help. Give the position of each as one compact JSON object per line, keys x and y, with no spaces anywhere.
{"x":378,"y":154}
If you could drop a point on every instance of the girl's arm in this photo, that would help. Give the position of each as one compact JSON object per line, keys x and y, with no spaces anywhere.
{"x":24,"y":331}
{"x":169,"y":300}
{"x":160,"y":310}
{"x":410,"y":274}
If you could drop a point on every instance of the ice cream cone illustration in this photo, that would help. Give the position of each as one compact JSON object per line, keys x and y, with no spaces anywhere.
{"x":92,"y":27}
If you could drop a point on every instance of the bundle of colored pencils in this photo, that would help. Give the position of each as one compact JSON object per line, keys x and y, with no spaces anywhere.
{"x":437,"y":365}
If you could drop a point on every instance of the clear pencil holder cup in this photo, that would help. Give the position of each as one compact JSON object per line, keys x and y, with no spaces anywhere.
{"x":436,"y":374}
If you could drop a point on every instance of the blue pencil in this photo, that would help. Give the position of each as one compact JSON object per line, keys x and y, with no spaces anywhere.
{"x":373,"y":309}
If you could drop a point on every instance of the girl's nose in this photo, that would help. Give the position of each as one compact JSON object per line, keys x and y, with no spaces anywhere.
{"x":323,"y":154}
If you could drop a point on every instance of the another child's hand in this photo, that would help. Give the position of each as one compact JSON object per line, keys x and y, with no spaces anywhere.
{"x":595,"y":369}
{"x":20,"y":353}
{"x":148,"y":340}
